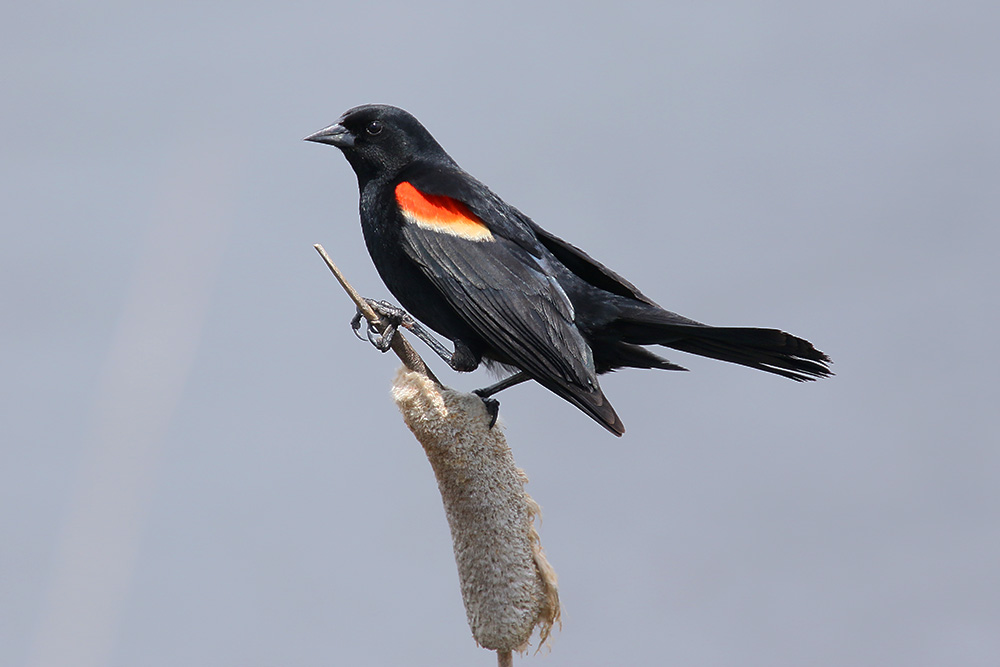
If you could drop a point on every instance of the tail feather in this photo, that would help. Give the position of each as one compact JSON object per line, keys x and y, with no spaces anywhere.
{"x":609,"y":356}
{"x":768,"y":350}
{"x":802,"y":363}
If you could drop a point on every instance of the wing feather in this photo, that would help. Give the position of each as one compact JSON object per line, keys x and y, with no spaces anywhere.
{"x":512,"y":304}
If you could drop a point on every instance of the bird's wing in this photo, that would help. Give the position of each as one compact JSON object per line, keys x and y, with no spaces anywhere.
{"x":505,"y":220}
{"x":586,"y":267}
{"x":501,"y":290}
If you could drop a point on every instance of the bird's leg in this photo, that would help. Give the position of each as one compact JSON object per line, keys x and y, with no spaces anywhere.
{"x":492,"y":404}
{"x":462,"y":359}
{"x":506,"y":383}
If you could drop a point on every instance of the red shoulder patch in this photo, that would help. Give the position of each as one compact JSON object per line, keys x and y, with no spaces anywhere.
{"x":440,"y":214}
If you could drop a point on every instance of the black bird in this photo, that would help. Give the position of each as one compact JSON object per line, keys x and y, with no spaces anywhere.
{"x":503,"y":290}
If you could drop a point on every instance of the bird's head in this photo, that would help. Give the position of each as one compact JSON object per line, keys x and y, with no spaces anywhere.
{"x":379,"y":140}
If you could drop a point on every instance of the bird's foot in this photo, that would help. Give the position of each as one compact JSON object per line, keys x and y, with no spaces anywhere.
{"x":492,"y":406}
{"x":392,"y":318}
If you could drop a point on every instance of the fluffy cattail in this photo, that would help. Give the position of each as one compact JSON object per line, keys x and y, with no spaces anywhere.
{"x":508,"y":586}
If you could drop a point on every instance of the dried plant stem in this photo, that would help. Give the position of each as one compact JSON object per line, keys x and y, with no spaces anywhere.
{"x":400,"y":345}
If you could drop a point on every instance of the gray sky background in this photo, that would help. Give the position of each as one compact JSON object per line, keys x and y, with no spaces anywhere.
{"x":200,"y":465}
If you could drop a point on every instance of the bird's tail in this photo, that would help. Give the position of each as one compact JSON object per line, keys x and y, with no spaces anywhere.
{"x":768,"y":350}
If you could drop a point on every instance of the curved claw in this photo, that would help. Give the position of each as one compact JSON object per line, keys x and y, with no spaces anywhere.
{"x":382,"y":342}
{"x":492,"y":406}
{"x":356,"y":325}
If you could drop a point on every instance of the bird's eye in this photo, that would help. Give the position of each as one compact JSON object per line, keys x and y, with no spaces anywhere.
{"x":373,"y":128}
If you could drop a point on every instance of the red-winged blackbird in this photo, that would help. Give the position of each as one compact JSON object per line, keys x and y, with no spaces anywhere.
{"x":504,"y":290}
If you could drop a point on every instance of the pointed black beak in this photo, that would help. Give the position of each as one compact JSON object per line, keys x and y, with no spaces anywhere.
{"x":335,"y":135}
